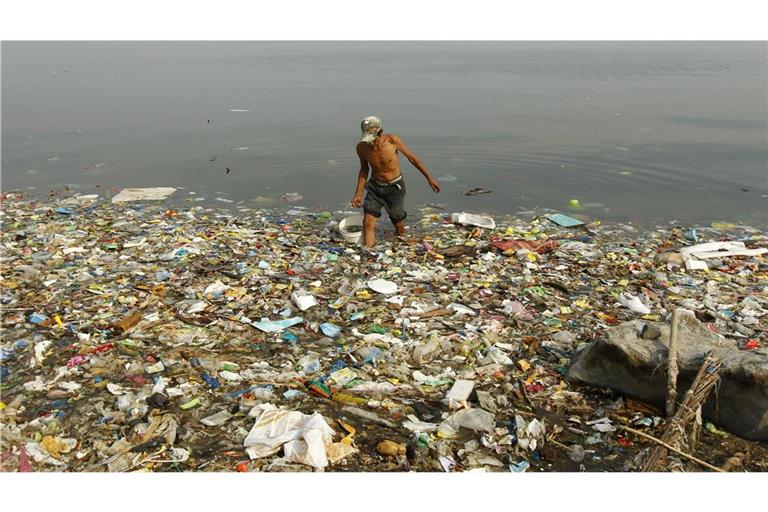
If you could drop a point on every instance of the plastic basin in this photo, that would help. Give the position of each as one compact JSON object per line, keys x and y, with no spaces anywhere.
{"x":350,"y":236}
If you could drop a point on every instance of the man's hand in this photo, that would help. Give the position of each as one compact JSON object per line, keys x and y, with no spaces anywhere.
{"x":356,"y":202}
{"x":433,"y":184}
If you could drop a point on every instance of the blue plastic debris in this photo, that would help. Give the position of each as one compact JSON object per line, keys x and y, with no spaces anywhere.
{"x":240,"y":392}
{"x":330,"y":330}
{"x":564,"y":220}
{"x":211,"y":381}
{"x":64,"y":211}
{"x":37,"y":318}
{"x":520,"y":467}
{"x":292,"y":393}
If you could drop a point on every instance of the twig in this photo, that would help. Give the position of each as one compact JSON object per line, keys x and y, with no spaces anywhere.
{"x":525,"y":393}
{"x":672,"y":364}
{"x":151,"y":458}
{"x":670,"y":448}
{"x":559,"y":444}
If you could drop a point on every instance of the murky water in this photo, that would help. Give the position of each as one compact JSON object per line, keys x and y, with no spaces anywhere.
{"x":634,"y":131}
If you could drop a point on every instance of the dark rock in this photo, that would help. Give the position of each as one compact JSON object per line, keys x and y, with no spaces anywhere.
{"x":650,"y":332}
{"x":148,"y":446}
{"x":426,"y":412}
{"x":157,"y":401}
{"x":627,"y":363}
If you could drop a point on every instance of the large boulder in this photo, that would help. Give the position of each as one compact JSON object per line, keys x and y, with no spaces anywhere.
{"x":627,"y":363}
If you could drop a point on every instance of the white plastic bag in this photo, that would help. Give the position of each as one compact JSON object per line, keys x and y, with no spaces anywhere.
{"x":303,"y":299}
{"x":304,"y":436}
{"x":632,"y":302}
{"x":473,"y":419}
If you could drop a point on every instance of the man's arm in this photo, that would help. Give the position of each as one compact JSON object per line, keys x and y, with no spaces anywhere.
{"x":362,"y":177}
{"x":407,"y":153}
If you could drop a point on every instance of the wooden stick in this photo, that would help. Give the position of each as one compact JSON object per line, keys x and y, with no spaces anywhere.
{"x":693,"y":438}
{"x":674,"y":433}
{"x":525,"y":393}
{"x":559,"y":444}
{"x":672,"y":364}
{"x":670,"y":448}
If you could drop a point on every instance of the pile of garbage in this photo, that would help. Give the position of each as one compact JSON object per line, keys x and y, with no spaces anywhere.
{"x":137,"y":336}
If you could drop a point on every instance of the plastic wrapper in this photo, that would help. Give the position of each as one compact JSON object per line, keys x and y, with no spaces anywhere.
{"x":304,"y":436}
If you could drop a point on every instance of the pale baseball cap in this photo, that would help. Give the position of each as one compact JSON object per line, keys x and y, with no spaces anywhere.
{"x":371,"y":126}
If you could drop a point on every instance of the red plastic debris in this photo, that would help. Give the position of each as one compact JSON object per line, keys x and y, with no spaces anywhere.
{"x":536,"y":387}
{"x":24,"y":464}
{"x":139,"y":380}
{"x":101,"y":348}
{"x":76,"y":360}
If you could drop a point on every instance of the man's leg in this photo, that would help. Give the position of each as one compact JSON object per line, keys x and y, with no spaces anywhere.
{"x":369,"y":233}
{"x":400,"y":228}
{"x":396,"y":208}
{"x":372,"y":205}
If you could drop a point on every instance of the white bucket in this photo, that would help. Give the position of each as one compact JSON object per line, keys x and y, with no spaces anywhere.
{"x":349,"y":236}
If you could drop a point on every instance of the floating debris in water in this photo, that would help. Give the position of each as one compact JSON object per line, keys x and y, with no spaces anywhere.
{"x":476,"y":192}
{"x":292,"y":197}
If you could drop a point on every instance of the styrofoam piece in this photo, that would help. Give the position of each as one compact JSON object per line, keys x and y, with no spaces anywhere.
{"x":460,"y":390}
{"x":470,"y":219}
{"x":143,"y":194}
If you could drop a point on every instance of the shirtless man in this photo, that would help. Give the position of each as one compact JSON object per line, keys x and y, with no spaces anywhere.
{"x":386,"y":188}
